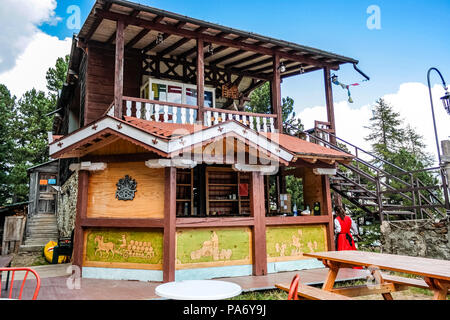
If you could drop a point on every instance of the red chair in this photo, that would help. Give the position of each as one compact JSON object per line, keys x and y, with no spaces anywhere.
{"x":27,"y":270}
{"x":293,"y":290}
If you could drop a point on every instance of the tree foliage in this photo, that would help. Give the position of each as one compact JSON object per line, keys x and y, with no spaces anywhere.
{"x":24,"y":124}
{"x":6,"y":114}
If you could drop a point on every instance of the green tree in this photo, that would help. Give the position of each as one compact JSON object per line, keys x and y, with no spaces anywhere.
{"x":386,"y":134}
{"x":260,"y":102}
{"x":56,"y":77}
{"x":30,"y":126}
{"x":7,"y":103}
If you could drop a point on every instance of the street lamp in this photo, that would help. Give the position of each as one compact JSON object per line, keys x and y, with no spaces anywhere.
{"x":446,"y":101}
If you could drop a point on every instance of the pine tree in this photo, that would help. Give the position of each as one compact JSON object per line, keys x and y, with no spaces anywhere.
{"x":57,"y":76}
{"x":30,"y":127}
{"x":6,"y":114}
{"x":386,"y":134}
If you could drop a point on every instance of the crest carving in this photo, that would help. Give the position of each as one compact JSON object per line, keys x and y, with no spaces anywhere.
{"x":126,"y":188}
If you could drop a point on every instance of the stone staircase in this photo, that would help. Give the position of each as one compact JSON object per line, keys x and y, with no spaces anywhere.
{"x":41,"y":229}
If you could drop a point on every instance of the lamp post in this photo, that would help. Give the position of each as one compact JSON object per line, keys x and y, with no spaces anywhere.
{"x":446,"y":101}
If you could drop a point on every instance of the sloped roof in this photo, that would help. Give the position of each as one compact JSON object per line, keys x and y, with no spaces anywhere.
{"x":168,"y":139}
{"x":305,"y":148}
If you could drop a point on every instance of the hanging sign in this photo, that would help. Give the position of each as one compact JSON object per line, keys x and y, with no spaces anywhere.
{"x":230,"y":92}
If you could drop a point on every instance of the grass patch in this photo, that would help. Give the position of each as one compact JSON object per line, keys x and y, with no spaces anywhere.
{"x":262,"y":295}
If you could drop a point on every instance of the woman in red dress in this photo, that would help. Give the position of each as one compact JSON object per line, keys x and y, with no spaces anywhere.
{"x":343,"y":224}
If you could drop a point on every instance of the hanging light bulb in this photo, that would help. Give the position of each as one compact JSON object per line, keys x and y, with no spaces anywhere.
{"x":302,"y":70}
{"x":160,"y":38}
{"x":282,"y":67}
{"x":211,"y":49}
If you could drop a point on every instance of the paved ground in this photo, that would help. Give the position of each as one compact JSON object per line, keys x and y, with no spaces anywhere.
{"x":56,"y":285}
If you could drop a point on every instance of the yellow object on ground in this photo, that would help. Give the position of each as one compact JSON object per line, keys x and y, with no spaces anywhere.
{"x":48,"y":253}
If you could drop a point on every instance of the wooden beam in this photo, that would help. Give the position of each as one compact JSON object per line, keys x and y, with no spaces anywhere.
{"x":329,"y":101}
{"x":82,"y":201}
{"x":259,"y":230}
{"x":276,"y":93}
{"x":170,"y":29}
{"x":179,"y":43}
{"x":244,"y":60}
{"x":227,"y":57}
{"x":137,"y":38}
{"x":170,"y":220}
{"x":327,"y":211}
{"x":200,"y":80}
{"x":119,"y":66}
{"x":155,"y":43}
{"x":97,"y":22}
{"x":257,"y":64}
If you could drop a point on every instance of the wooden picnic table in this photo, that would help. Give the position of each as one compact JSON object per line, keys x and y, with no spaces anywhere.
{"x":436,"y":273}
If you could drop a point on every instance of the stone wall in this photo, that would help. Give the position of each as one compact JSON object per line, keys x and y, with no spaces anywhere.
{"x":67,"y":206}
{"x":419,"y":238}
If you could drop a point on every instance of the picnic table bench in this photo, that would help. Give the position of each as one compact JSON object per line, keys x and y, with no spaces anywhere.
{"x":312,"y":293}
{"x":435,"y":273}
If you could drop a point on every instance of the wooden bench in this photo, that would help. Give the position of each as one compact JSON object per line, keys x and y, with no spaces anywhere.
{"x":403,"y":281}
{"x":312,"y":293}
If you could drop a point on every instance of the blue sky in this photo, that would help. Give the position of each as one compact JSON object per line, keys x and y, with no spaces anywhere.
{"x":412,"y":38}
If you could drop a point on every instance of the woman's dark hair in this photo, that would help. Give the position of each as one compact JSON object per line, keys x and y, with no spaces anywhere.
{"x":339,"y":210}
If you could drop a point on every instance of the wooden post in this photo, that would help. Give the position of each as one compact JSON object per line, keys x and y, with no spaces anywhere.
{"x":82,"y":202}
{"x":259,"y":230}
{"x":328,"y":210}
{"x":329,"y":101}
{"x":170,"y":217}
{"x":276,"y":93}
{"x":200,"y":80}
{"x":118,"y":75}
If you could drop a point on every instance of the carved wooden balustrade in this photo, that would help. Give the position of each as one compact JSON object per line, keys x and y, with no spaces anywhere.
{"x":169,"y":112}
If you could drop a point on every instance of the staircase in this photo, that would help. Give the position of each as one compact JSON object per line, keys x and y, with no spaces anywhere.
{"x":41,"y":229}
{"x":366,"y":183}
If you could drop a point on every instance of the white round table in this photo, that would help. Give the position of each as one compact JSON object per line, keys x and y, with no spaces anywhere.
{"x":198,"y":290}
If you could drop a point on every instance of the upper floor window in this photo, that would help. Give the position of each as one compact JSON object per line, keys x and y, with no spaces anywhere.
{"x":169,"y":91}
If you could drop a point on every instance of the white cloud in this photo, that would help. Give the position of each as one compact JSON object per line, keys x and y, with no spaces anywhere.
{"x":32,"y":65}
{"x":19,"y":21}
{"x":411,"y":101}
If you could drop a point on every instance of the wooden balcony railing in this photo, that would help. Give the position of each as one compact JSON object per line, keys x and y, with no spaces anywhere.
{"x":169,"y":112}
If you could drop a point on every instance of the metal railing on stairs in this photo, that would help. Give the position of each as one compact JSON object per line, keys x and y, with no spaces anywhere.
{"x":369,"y":182}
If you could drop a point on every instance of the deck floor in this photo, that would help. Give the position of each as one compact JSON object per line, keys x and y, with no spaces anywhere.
{"x":54,"y":284}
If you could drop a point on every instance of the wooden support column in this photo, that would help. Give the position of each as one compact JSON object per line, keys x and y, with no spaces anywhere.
{"x":169,"y":246}
{"x":327,"y":209}
{"x":259,"y":230}
{"x":200,"y":80}
{"x":82,"y":202}
{"x":119,"y":65}
{"x":329,"y":101}
{"x":276,"y":93}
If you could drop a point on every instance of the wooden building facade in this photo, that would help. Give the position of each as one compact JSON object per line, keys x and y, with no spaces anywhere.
{"x":176,"y":181}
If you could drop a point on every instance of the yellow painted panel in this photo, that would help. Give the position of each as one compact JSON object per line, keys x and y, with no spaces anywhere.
{"x":213,"y":247}
{"x":290,"y":242}
{"x":123,"y":248}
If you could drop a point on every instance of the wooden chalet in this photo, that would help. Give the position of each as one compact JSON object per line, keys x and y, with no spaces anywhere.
{"x":175,"y":180}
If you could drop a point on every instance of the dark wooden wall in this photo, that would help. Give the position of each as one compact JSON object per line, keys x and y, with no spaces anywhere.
{"x":100,"y":79}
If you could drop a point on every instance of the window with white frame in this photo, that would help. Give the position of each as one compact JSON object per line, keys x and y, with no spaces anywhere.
{"x":176,"y":92}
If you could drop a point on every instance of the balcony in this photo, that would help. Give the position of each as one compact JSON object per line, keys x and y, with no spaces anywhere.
{"x":168,"y":112}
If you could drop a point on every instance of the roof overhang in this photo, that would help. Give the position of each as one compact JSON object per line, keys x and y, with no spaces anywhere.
{"x":233,"y":49}
{"x":109,"y":129}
